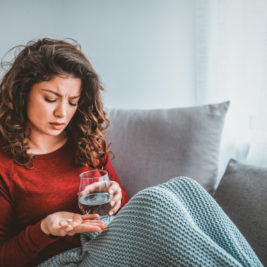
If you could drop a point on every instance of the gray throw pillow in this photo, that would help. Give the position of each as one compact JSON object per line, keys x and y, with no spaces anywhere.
{"x":152,"y":146}
{"x":242,"y":193}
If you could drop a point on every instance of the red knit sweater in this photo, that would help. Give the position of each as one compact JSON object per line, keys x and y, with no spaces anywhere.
{"x":28,"y":196}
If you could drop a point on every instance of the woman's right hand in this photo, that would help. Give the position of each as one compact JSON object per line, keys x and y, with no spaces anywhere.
{"x":67,"y":223}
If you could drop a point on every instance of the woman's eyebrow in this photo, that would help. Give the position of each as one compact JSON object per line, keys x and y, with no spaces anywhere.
{"x":57,"y":94}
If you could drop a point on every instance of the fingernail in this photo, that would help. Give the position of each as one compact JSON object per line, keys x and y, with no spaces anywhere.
{"x":112,"y":203}
{"x":110,"y":192}
{"x":111,"y":213}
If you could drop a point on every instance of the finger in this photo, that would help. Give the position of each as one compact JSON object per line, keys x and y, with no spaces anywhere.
{"x":76,"y":221}
{"x":84,"y":230}
{"x":95,"y":187}
{"x":96,"y":222}
{"x":90,"y":216}
{"x":62,"y":231}
{"x":88,"y":189}
{"x":63,"y":223}
{"x":113,"y":188}
{"x":89,"y":228}
{"x":115,"y":199}
{"x":75,"y":218}
{"x":115,"y":208}
{"x":67,"y":228}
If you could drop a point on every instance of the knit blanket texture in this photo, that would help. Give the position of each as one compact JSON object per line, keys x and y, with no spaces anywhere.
{"x":172,"y":224}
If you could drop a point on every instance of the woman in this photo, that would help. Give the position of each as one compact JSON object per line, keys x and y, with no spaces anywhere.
{"x":52,"y":128}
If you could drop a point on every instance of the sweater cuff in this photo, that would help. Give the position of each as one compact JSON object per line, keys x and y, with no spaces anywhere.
{"x":38,"y":238}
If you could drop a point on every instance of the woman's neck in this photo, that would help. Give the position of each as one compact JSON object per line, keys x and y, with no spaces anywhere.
{"x":39,"y":145}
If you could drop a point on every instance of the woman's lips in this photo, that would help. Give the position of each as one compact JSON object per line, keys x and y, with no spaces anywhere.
{"x":57,"y":126}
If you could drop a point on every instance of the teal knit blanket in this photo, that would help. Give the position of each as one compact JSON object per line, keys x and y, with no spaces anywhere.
{"x":173,"y":224}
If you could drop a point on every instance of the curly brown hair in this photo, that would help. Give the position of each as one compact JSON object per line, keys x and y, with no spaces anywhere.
{"x":41,"y":60}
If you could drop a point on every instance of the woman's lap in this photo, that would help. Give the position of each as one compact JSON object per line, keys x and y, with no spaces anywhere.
{"x":176,"y":223}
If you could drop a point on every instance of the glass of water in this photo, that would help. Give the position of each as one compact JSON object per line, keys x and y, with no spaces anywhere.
{"x":93,"y":196}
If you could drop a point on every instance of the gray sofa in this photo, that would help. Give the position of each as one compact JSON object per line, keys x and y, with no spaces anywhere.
{"x":152,"y":146}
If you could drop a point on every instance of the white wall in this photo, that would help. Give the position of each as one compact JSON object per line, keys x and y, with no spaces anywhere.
{"x":143,"y":50}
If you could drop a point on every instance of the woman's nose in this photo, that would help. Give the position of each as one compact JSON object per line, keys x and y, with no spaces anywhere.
{"x":61,"y":110}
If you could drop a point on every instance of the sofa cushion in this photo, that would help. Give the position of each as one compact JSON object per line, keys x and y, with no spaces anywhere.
{"x":242,"y":195}
{"x":152,"y":146}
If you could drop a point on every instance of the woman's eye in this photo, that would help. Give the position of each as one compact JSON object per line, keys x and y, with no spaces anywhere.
{"x":50,"y":100}
{"x":73,"y":104}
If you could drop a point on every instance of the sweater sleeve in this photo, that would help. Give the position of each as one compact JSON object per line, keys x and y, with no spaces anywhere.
{"x":18,"y":249}
{"x":114,"y":177}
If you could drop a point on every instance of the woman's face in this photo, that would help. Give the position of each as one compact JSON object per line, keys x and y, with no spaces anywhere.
{"x":52,"y":104}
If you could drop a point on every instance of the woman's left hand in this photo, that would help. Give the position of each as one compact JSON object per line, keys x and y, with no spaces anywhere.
{"x":115,"y":203}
